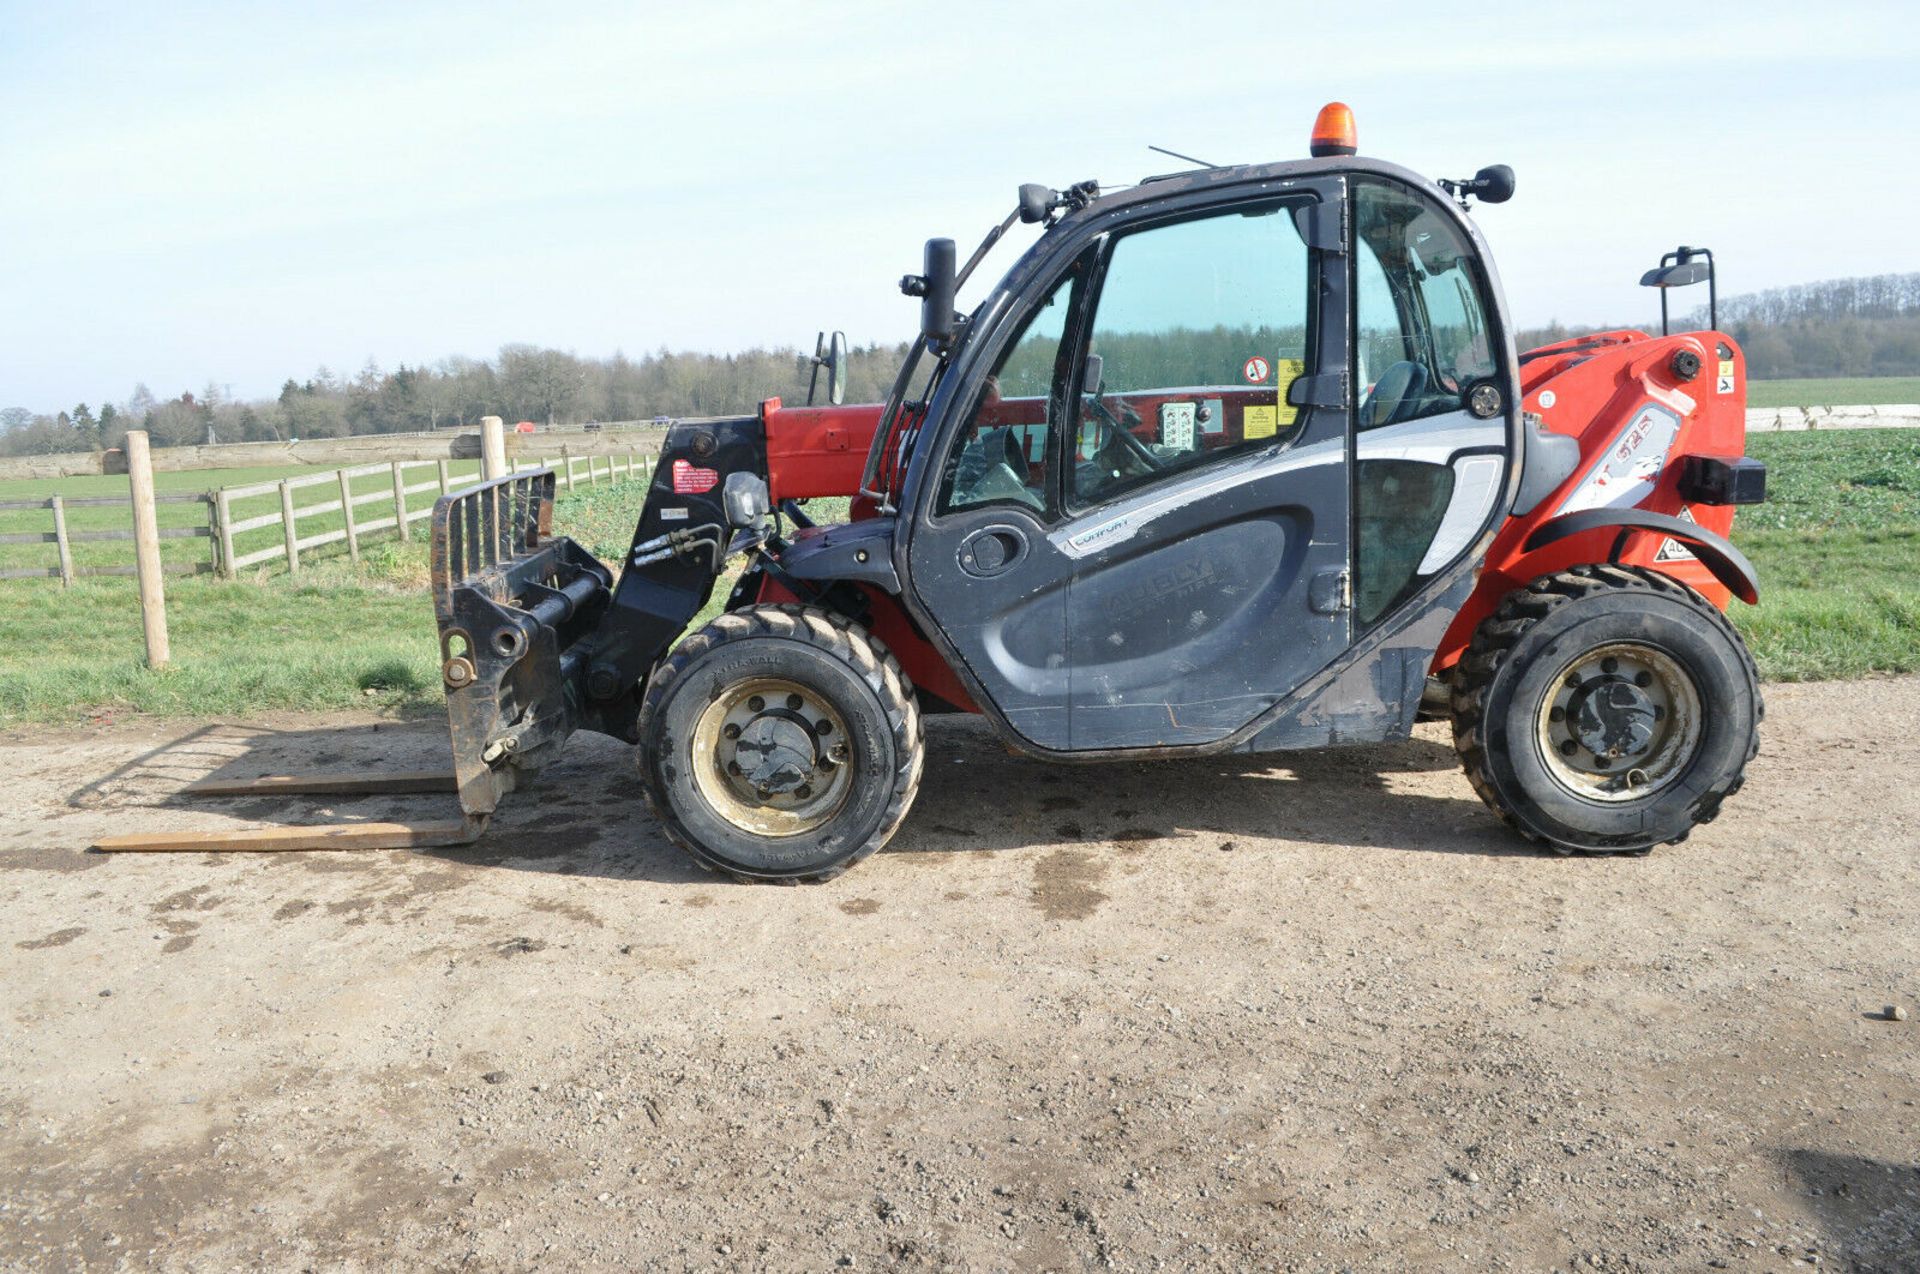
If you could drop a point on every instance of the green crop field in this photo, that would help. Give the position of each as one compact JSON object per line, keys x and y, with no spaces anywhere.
{"x":1837,"y":546}
{"x":1838,"y":391}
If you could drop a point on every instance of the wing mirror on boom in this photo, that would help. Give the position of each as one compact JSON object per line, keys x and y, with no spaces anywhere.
{"x":1681,"y":268}
{"x":935,"y":290}
{"x":832,"y":355}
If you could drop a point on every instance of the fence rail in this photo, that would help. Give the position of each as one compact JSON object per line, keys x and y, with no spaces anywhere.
{"x":63,"y":540}
{"x":399,"y":512}
{"x":342,"y":514}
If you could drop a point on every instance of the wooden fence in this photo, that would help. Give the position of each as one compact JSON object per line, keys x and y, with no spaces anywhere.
{"x":64,"y":540}
{"x":400,"y":504}
{"x":398,"y":515}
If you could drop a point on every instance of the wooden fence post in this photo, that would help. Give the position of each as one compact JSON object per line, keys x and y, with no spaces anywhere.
{"x":146,"y":548}
{"x":445,"y":486}
{"x":223,"y":532}
{"x":493,"y":448}
{"x":60,"y":538}
{"x":566,"y":459}
{"x":346,"y":513}
{"x":289,"y":527}
{"x":400,"y":503}
{"x":593,"y":472}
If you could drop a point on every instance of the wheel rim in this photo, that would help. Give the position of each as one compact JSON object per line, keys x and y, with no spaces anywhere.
{"x":772,"y":757}
{"x":1623,"y":721}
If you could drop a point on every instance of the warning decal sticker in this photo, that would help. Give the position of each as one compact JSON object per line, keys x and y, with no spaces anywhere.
{"x":1259,"y":422}
{"x":1289,"y":370}
{"x":692,"y":480}
{"x":1672,"y":550}
{"x":1724,"y":382}
{"x":1257,"y":370}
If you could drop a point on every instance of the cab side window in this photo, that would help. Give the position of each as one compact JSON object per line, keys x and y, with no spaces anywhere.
{"x":1001,"y":455}
{"x":1422,"y":330}
{"x":1422,"y":340}
{"x":1198,"y":329}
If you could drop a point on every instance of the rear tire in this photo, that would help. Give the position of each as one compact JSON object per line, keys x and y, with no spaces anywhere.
{"x":780,"y":743}
{"x":1606,"y":710}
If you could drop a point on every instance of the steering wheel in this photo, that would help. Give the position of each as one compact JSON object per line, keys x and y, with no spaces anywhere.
{"x":1113,"y":428}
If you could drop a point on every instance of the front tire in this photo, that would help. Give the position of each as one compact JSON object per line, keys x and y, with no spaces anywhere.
{"x":1606,"y":710}
{"x":780,"y":743}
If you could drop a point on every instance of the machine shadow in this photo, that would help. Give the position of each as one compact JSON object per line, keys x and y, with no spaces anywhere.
{"x":1869,"y":1208}
{"x":586,"y":815}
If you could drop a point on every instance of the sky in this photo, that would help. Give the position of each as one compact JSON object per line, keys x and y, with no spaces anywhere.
{"x":239,"y":193}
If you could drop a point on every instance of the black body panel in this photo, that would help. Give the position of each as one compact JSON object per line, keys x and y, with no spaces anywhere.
{"x":655,"y":599}
{"x":860,"y":551}
{"x":1723,"y":480}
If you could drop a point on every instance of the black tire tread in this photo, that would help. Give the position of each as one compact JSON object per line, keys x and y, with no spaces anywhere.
{"x":846,"y":641}
{"x":1474,"y":674}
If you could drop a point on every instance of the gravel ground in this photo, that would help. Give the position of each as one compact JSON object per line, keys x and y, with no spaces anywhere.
{"x":1322,"y":1013}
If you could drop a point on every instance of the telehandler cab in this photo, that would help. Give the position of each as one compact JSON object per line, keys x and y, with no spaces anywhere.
{"x":1235,"y":459}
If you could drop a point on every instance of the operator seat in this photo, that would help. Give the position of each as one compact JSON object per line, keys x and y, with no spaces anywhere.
{"x":1396,"y":395}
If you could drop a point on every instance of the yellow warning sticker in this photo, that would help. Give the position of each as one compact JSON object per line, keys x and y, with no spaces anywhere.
{"x":1259,"y":422}
{"x":1726,"y":367}
{"x":1288,"y":370}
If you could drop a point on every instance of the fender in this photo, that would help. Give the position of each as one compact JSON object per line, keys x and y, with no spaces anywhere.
{"x":1728,"y":564}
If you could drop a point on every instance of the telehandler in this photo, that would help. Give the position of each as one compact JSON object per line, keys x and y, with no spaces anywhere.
{"x":1235,"y":459}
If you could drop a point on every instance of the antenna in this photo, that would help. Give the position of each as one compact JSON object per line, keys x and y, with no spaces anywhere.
{"x":1177,"y":155}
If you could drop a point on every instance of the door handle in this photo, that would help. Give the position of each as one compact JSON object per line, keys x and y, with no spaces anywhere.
{"x":992,"y":550}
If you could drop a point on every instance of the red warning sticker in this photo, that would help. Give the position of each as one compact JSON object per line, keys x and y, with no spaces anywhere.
{"x":692,"y":480}
{"x":1257,"y":370}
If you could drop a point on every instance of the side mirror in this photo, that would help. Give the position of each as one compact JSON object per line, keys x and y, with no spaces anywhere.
{"x":1494,"y":183}
{"x":1036,"y":201}
{"x":936,"y":303}
{"x":1096,"y":375}
{"x":837,"y":369}
{"x":832,"y":355}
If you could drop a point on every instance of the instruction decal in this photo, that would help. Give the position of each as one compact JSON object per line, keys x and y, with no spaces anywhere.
{"x":1176,"y":425}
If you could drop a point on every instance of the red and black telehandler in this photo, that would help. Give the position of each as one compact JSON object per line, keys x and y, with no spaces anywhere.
{"x":1234,"y":459}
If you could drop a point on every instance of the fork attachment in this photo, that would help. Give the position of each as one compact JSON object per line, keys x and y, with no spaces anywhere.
{"x":513,"y":607}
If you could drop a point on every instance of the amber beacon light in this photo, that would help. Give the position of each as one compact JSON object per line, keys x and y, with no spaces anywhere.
{"x":1333,"y":131}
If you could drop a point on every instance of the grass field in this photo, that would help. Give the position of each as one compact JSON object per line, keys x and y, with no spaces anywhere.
{"x":1838,"y":391}
{"x":1837,"y":546}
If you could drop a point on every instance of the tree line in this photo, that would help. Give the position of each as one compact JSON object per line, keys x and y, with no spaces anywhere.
{"x":1866,"y":326}
{"x":523,"y":382}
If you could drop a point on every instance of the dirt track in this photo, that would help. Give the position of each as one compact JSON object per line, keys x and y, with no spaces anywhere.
{"x":1320,"y":1014}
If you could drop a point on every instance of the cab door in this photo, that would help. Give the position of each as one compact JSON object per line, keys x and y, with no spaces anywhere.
{"x":1204,"y":485}
{"x":1140,"y":537}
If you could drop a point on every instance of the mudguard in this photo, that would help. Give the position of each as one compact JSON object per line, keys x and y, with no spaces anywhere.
{"x":1727,"y":563}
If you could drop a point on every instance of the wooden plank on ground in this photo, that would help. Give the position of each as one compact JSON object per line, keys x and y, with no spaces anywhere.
{"x":344,"y":783}
{"x":457,"y":831}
